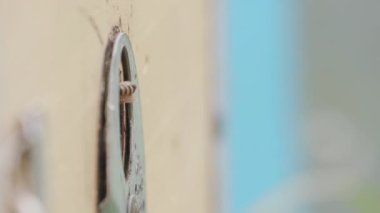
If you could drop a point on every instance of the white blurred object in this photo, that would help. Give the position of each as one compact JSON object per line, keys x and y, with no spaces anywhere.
{"x":337,"y":164}
{"x":20,"y":191}
{"x":27,"y":202}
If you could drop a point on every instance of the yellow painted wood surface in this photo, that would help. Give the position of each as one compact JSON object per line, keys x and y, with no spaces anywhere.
{"x":51,"y":56}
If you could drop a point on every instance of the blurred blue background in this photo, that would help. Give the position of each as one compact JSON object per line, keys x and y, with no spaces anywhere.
{"x":302,"y":120}
{"x":261,"y":120}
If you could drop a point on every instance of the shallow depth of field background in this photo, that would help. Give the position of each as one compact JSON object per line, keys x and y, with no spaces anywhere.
{"x":302,"y":125}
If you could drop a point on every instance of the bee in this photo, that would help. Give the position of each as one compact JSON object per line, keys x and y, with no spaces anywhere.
{"x":127,"y":89}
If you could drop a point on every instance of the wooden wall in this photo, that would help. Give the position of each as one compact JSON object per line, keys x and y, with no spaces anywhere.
{"x":51,"y":56}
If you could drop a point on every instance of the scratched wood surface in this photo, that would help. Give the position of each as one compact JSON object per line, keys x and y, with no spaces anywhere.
{"x":51,"y":56}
